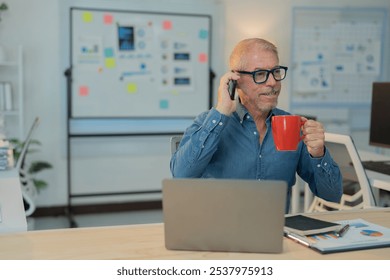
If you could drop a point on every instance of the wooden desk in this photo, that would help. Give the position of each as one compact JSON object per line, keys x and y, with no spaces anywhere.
{"x":147,"y":242}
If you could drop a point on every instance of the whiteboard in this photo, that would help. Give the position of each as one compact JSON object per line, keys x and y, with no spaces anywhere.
{"x":139,"y":64}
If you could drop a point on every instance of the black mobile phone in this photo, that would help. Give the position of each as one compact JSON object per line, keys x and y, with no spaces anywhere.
{"x":232,"y":88}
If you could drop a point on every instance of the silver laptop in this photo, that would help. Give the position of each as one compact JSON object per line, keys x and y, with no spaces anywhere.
{"x":224,"y":215}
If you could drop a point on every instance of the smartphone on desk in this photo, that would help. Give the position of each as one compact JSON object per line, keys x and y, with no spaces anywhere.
{"x":232,"y":88}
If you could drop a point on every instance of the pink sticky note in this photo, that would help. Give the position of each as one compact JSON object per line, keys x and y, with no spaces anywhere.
{"x":167,"y":24}
{"x":83,"y":91}
{"x":107,"y":18}
{"x":202,"y":57}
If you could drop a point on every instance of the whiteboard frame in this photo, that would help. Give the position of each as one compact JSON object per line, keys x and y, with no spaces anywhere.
{"x":133,"y":124}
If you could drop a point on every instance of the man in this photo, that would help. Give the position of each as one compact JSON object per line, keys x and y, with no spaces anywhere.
{"x":234,"y":139}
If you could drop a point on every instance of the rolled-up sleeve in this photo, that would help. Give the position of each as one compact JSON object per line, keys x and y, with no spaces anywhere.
{"x":326,"y":180}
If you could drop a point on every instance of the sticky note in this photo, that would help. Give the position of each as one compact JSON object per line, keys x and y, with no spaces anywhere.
{"x":108,"y":52}
{"x":107,"y":19}
{"x":110,"y":62}
{"x":203,"y":34}
{"x":87,"y":17}
{"x":167,"y":24}
{"x":164,"y":104}
{"x":132,"y":88}
{"x":202,"y":57}
{"x":83,"y":91}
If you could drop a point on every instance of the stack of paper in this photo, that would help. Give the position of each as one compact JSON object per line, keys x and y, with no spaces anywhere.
{"x":6,"y":155}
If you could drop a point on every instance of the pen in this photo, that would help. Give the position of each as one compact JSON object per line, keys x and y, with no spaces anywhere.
{"x":342,"y":231}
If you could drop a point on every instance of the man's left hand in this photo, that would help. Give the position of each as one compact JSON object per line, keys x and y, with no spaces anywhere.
{"x":314,"y":137}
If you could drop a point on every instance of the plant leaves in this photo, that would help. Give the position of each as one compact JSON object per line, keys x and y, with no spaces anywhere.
{"x":38,"y":166}
{"x":39,"y":184}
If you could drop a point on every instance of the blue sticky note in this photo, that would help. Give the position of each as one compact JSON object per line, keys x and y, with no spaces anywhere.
{"x":108,"y":52}
{"x":203,"y":34}
{"x":164,"y":104}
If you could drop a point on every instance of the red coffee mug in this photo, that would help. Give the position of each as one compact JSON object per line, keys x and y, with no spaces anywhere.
{"x":286,"y":130}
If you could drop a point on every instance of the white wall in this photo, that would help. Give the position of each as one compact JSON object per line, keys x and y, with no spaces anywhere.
{"x":41,"y":27}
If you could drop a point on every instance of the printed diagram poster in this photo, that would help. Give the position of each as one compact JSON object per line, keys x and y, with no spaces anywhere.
{"x":357,"y":57}
{"x":335,"y":60}
{"x":337,"y":53}
{"x":313,"y":71}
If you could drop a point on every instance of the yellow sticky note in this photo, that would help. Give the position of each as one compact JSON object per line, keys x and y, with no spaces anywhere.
{"x":87,"y":17}
{"x":131,"y":88}
{"x":110,"y":62}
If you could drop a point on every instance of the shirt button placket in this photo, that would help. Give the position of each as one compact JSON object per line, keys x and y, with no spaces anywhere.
{"x":259,"y":168}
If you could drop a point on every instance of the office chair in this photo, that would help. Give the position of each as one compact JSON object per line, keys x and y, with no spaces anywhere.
{"x":28,"y":192}
{"x":357,"y":189}
{"x":175,"y":141}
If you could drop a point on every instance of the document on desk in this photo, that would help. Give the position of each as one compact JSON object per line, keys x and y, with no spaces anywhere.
{"x":360,"y":235}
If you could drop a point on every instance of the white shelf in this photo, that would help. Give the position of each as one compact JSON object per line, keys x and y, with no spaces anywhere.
{"x":12,"y":71}
{"x":10,"y":113}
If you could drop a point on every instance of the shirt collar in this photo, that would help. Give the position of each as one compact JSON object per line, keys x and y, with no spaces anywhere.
{"x":242,"y":112}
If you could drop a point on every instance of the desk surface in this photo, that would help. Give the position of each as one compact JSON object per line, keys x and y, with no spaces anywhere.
{"x":147,"y":242}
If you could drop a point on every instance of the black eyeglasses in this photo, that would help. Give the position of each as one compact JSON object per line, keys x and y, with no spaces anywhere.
{"x":261,"y":76}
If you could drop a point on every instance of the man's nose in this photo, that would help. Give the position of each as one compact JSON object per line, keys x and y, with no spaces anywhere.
{"x":271,"y":80}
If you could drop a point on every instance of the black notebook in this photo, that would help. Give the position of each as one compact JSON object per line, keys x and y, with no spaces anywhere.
{"x":304,"y":225}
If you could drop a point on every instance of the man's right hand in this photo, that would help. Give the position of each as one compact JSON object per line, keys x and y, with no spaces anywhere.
{"x":225,"y":105}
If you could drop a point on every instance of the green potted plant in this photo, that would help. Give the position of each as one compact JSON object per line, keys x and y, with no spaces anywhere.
{"x":34,"y":167}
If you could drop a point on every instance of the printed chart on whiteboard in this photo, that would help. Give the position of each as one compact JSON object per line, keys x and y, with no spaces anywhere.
{"x":337,"y":54}
{"x":139,"y":64}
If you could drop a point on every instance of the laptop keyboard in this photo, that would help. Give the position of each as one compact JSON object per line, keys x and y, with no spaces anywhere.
{"x":377,"y":166}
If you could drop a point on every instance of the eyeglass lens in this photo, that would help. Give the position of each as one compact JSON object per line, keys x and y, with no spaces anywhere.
{"x":262,"y":75}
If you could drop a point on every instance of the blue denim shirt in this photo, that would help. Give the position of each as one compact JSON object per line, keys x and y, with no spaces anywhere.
{"x":220,"y":146}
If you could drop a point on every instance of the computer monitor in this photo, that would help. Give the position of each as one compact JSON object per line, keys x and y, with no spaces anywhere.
{"x":380,"y":115}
